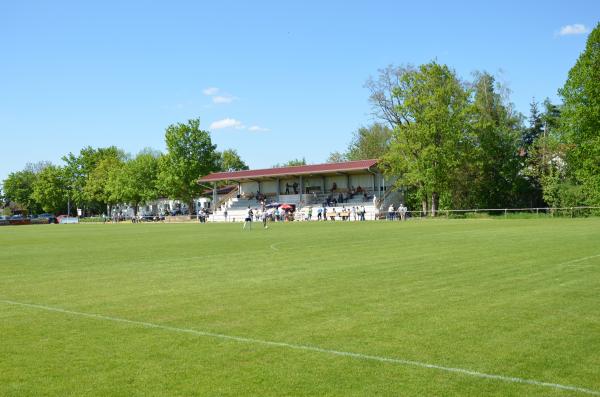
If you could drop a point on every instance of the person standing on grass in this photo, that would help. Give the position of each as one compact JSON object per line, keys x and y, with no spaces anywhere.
{"x":265,"y":216}
{"x":403,"y":210}
{"x":225,"y":214}
{"x":248,"y":220}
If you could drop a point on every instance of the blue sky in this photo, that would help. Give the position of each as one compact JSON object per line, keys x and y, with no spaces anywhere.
{"x":287,"y":78}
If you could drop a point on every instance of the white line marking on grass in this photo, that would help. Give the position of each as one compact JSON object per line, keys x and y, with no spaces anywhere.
{"x":309,"y":348}
{"x":580,"y":259}
{"x":274,"y":246}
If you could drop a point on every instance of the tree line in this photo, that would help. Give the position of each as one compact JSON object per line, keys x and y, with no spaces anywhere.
{"x":96,"y":179}
{"x":449,"y":143}
{"x":456,"y":144}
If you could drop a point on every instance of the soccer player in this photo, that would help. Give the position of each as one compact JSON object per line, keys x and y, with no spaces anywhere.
{"x":248,"y":220}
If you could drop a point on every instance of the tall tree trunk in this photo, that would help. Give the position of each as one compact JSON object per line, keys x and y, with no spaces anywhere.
{"x":424,"y":205}
{"x":434,"y":203}
{"x":191,"y":208}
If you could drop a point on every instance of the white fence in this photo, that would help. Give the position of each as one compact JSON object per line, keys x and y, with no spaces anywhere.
{"x":514,"y":212}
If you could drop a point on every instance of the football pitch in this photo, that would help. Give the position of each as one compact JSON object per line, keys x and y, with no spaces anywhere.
{"x":505,"y":307}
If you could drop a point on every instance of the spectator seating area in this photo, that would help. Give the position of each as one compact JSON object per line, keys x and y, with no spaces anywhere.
{"x":237,"y":207}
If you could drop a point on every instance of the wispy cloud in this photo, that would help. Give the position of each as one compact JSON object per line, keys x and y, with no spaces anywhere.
{"x":229,"y":122}
{"x":217,"y":96}
{"x":210,"y":91}
{"x":223,"y":98}
{"x":226,"y":123}
{"x":576,"y":28}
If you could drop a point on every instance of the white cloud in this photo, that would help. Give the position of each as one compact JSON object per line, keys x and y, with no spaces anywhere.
{"x":227,"y":123}
{"x":223,"y":99}
{"x":210,"y":91}
{"x":256,"y":128}
{"x":576,"y":28}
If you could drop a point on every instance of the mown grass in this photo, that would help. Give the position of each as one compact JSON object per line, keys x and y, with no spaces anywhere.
{"x":509,"y":297}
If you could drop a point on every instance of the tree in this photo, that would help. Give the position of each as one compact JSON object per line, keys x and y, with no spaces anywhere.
{"x":137,"y":182}
{"x":190,"y":155}
{"x":386,"y":105}
{"x":370,"y":142}
{"x":18,"y":187}
{"x":493,"y":177}
{"x":78,"y":169}
{"x":428,"y":143}
{"x":50,"y":189}
{"x":580,"y":119}
{"x":292,"y":163}
{"x":100,"y":187}
{"x":336,"y":157}
{"x":230,"y":160}
{"x":536,"y":126}
{"x":545,"y":160}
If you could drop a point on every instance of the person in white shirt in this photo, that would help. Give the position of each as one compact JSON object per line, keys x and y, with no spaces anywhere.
{"x":402,"y":211}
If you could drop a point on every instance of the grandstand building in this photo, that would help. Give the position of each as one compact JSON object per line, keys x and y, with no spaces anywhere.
{"x":359,"y":182}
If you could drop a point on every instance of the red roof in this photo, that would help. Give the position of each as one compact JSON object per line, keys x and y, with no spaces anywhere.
{"x":289,"y":171}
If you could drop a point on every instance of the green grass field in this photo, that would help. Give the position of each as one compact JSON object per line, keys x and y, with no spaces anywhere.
{"x":328,"y":309}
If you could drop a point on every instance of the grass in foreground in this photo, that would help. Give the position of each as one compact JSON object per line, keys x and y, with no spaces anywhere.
{"x":509,"y":297}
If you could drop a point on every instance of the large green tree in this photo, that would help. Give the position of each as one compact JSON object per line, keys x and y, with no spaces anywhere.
{"x":190,"y":155}
{"x":18,"y":187}
{"x":137,"y":182}
{"x":581,"y":119}
{"x":493,"y":171}
{"x":370,"y":142}
{"x":78,"y":169}
{"x":99,"y":186}
{"x":428,"y":145}
{"x":49,"y":189}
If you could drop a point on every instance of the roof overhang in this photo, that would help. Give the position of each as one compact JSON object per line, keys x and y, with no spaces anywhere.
{"x":328,"y":169}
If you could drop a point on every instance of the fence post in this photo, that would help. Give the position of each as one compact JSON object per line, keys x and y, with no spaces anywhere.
{"x":505,"y":213}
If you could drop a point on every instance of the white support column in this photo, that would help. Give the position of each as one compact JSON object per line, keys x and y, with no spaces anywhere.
{"x":214,"y":203}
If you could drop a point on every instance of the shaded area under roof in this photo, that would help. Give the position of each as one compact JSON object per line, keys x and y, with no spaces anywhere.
{"x":314,"y":169}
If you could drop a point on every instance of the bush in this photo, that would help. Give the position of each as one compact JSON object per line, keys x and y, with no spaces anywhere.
{"x":91,"y":219}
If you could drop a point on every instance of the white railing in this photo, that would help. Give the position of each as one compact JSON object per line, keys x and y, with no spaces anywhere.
{"x":546,"y":211}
